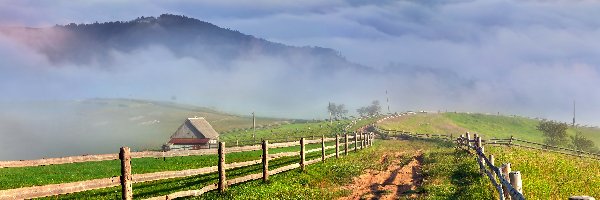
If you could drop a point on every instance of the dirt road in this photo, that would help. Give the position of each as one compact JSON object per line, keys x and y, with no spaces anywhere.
{"x":399,"y":180}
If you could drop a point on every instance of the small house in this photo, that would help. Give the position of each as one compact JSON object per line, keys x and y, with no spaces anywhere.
{"x":194,"y":133}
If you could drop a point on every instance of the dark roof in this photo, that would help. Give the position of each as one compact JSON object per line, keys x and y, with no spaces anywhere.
{"x":189,"y":141}
{"x":203,"y":127}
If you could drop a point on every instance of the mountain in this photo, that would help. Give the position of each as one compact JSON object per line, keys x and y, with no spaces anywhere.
{"x":84,"y":44}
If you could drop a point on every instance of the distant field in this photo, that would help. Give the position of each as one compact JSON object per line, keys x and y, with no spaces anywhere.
{"x":47,"y":129}
{"x":492,"y":126}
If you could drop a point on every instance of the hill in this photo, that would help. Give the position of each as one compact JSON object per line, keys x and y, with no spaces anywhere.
{"x":61,"y":128}
{"x":490,"y":126}
{"x":85,"y":44}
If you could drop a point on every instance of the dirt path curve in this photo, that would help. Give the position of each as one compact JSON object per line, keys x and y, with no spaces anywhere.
{"x":400,"y":179}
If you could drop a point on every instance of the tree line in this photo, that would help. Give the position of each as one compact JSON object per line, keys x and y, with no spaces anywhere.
{"x":339,"y":111}
{"x":555,"y":134}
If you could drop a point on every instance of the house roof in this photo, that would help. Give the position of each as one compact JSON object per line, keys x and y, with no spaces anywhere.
{"x":197,"y":128}
{"x":203,"y":127}
{"x":190,"y":141}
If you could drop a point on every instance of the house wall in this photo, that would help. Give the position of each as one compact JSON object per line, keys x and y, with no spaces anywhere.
{"x":212,"y":144}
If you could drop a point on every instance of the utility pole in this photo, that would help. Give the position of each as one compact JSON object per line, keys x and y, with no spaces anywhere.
{"x":387,"y":98}
{"x":573,"y":113}
{"x":330,"y":118}
{"x":253,"y":126}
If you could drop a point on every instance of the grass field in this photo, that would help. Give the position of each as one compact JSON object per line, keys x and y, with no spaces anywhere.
{"x":489,"y":126}
{"x":548,"y":175}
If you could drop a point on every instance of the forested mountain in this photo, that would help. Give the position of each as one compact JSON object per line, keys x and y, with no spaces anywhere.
{"x":186,"y":37}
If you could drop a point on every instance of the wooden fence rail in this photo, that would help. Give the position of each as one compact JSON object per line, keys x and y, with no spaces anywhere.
{"x":486,"y":165}
{"x":127,"y":178}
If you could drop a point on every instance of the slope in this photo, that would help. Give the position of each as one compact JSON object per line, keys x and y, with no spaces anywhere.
{"x":489,"y":126}
{"x":61,"y":128}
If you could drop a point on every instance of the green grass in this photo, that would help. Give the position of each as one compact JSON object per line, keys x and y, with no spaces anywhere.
{"x":52,"y":174}
{"x":549,"y":175}
{"x":424,"y":123}
{"x":164,"y":187}
{"x":453,"y":174}
{"x":289,"y":132}
{"x":495,"y":126}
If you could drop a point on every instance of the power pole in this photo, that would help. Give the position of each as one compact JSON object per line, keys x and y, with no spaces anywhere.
{"x":573,"y":113}
{"x":330,"y":118}
{"x":387,"y":98}
{"x":253,"y":126}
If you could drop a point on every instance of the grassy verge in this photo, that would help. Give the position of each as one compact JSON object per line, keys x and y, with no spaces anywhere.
{"x":453,"y":174}
{"x":549,"y":175}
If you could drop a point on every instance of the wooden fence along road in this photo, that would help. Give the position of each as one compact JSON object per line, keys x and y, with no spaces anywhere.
{"x":508,"y":183}
{"x":361,"y":140}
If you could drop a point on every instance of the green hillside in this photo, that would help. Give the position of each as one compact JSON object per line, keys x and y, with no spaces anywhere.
{"x":490,"y":126}
{"x":50,"y":128}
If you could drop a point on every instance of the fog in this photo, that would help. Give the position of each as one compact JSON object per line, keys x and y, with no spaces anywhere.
{"x":530,"y":58}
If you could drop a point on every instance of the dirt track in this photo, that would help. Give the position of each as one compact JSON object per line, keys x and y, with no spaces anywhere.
{"x":400,"y":179}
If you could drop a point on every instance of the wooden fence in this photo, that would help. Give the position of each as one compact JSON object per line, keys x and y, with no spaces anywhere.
{"x":512,"y":141}
{"x":508,"y":183}
{"x":361,"y":140}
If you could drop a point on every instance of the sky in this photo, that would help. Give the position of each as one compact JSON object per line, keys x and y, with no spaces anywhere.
{"x":525,"y":57}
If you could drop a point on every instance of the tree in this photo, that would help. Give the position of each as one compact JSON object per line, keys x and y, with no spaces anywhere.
{"x":374,"y":108}
{"x":337,"y":111}
{"x":371,"y":110}
{"x":362,"y":111}
{"x":581,"y":143}
{"x":555,"y":132}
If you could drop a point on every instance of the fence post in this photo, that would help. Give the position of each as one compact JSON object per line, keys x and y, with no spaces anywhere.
{"x":126,"y":178}
{"x":480,"y":145}
{"x":222,"y":182}
{"x":346,"y":144}
{"x":492,"y":160}
{"x":515,"y":181}
{"x":355,"y":142}
{"x":337,"y":146}
{"x":302,"y":155}
{"x":511,"y":141}
{"x":478,"y":149}
{"x":505,"y":170}
{"x":323,"y":148}
{"x":362,"y":140}
{"x":468,"y":139}
{"x":265,"y":160}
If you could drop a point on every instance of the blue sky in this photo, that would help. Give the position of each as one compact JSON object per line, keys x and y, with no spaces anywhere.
{"x":529,"y":57}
